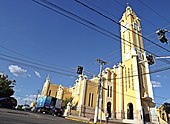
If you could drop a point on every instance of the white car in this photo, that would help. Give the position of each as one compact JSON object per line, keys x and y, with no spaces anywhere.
{"x":26,"y":107}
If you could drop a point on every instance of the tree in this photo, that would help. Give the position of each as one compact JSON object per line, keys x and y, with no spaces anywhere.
{"x":6,"y":86}
{"x":6,"y":91}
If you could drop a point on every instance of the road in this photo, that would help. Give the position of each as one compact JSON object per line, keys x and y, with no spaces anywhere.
{"x":8,"y":116}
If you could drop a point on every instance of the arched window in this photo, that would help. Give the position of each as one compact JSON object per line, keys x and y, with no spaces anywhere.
{"x":108,"y":91}
{"x":92,"y":100}
{"x":130,"y":111}
{"x":49,"y":93}
{"x":111,"y":91}
{"x":109,"y":108}
{"x":89,"y":99}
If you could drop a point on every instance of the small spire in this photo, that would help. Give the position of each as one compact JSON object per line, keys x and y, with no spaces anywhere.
{"x":48,"y":77}
{"x":127,"y":4}
{"x":128,"y":7}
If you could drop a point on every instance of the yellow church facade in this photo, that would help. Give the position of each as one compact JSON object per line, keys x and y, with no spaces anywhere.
{"x":55,"y":90}
{"x":127,"y":93}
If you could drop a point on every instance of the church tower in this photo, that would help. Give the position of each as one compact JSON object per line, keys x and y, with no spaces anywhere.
{"x":46,"y":87}
{"x":138,"y":93}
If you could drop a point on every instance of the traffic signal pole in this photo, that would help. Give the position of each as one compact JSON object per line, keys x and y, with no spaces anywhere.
{"x":163,"y":57}
{"x":99,"y":97}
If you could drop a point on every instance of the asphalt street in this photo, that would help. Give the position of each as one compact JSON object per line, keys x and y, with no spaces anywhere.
{"x":8,"y":116}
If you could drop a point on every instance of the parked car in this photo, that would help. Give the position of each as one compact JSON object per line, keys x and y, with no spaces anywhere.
{"x":56,"y":112}
{"x":8,"y":102}
{"x":26,"y":107}
{"x":43,"y":110}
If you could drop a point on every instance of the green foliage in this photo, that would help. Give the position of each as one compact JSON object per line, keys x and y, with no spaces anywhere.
{"x":6,"y":86}
{"x":67,"y":100}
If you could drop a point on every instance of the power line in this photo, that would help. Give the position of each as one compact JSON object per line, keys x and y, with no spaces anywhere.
{"x":151,"y":72}
{"x":131,"y":76}
{"x":35,"y":63}
{"x":41,"y":68}
{"x":156,"y":71}
{"x":126,"y":28}
{"x":73,"y":18}
{"x":114,"y":15}
{"x":99,"y":29}
{"x":143,"y":19}
{"x":154,"y":11}
{"x":108,"y":57}
{"x":119,"y":24}
{"x":86,"y":22}
{"x":89,"y":2}
{"x":104,"y":88}
{"x":101,"y":8}
{"x":140,"y":16}
{"x":17,"y":53}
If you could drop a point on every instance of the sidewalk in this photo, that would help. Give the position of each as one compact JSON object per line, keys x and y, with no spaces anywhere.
{"x":81,"y":119}
{"x":89,"y":121}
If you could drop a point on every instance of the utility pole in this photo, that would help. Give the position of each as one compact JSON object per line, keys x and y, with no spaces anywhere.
{"x":38,"y":92}
{"x":99,"y":91}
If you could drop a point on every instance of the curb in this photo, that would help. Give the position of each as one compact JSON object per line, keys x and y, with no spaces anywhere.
{"x":75,"y":118}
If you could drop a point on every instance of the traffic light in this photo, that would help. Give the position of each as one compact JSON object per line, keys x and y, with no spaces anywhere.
{"x":161,"y":35}
{"x":150,"y":59}
{"x":79,"y":70}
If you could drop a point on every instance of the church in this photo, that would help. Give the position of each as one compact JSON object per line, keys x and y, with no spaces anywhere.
{"x":127,"y":93}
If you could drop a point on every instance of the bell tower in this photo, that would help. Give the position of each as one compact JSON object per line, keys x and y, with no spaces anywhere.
{"x":46,"y":86}
{"x":137,"y":86}
{"x":130,"y":34}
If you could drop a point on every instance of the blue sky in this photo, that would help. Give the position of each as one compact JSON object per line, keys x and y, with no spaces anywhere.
{"x":34,"y":33}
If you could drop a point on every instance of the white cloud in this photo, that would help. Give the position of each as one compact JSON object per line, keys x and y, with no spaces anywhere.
{"x":19,"y":100}
{"x":168,"y":101}
{"x":1,"y":73}
{"x":165,"y":76}
{"x":17,"y":71}
{"x":37,"y":74}
{"x":29,"y":98}
{"x":156,"y":84}
{"x":18,"y":90}
{"x":29,"y":75}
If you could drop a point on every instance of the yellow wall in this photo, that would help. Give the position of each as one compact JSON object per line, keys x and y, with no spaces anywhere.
{"x":50,"y":89}
{"x":67,"y":93}
{"x":91,"y":89}
{"x":53,"y":88}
